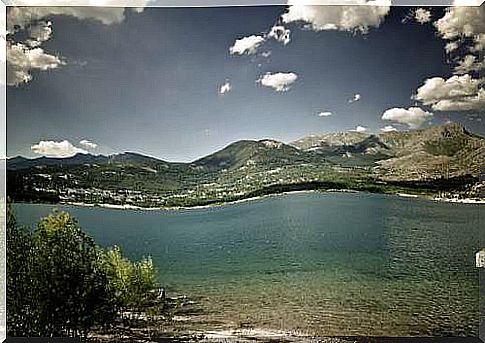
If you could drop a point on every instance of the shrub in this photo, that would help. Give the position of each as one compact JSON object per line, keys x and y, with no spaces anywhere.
{"x":59,"y":283}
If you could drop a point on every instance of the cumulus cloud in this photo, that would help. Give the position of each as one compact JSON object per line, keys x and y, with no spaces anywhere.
{"x":21,"y":59}
{"x":325,"y":114}
{"x":343,"y":18}
{"x":460,"y":25}
{"x":226,"y":87}
{"x":413,"y":116}
{"x":355,"y":98}
{"x":280,"y":82}
{"x":451,"y":46}
{"x":280,"y":34}
{"x":459,"y":22}
{"x":23,"y":17}
{"x":469,"y":64}
{"x":88,"y":144}
{"x":359,"y":128}
{"x":421,"y":15}
{"x":388,"y":128}
{"x":56,"y":149}
{"x":458,"y":93}
{"x":27,"y":55}
{"x":39,"y":33}
{"x":246,"y":45}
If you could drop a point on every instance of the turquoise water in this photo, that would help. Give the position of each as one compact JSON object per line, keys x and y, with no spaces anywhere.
{"x":315,"y":263}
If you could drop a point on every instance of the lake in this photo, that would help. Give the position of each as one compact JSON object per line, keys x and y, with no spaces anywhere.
{"x":314,"y":263}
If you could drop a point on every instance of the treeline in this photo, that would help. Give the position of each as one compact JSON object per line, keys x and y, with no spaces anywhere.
{"x":60,"y":283}
{"x":454,"y":184}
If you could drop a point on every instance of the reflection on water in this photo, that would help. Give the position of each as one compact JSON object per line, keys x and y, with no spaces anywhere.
{"x":326,"y":264}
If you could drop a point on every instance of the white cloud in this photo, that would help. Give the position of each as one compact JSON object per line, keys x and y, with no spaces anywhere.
{"x":24,"y":56}
{"x":479,"y":41}
{"x":88,"y":144}
{"x":39,"y":33}
{"x":359,"y":128}
{"x":422,"y":15}
{"x":344,"y":18}
{"x":451,"y":46}
{"x":56,"y":149}
{"x":469,"y":64}
{"x":280,"y":34}
{"x":459,"y":22}
{"x":355,"y":98}
{"x":246,"y":45}
{"x":325,"y":114}
{"x":280,"y":82}
{"x":388,"y":128}
{"x":462,"y":22}
{"x":25,"y":16}
{"x":413,"y":116}
{"x":21,"y":59}
{"x":226,"y":87}
{"x":458,"y":93}
{"x":419,"y":15}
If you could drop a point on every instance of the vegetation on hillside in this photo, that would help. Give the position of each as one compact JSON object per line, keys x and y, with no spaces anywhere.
{"x":440,"y":161}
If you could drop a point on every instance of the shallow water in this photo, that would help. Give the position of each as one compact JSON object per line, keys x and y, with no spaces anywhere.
{"x":316,"y":263}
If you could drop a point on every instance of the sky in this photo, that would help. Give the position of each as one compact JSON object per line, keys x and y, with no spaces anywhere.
{"x":180,"y":83}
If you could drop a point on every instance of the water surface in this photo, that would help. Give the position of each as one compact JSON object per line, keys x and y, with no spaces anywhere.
{"x":316,"y":263}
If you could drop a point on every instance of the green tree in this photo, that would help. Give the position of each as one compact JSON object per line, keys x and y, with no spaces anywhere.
{"x":133,"y":283}
{"x":60,"y":283}
{"x":72,"y":288}
{"x":22,"y":312}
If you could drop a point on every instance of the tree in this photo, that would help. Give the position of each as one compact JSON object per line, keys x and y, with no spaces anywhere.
{"x":60,"y":283}
{"x":133,"y":283}
{"x":22,"y":314}
{"x":72,"y":288}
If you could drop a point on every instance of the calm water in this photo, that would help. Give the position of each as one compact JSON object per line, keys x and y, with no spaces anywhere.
{"x":327,"y":264}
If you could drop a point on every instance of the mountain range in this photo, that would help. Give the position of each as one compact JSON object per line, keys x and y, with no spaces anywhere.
{"x":436,"y":159}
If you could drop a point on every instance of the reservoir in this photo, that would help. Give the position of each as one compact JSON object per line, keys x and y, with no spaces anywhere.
{"x":313,"y":263}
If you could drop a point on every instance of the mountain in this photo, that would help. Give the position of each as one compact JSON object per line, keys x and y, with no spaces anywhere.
{"x":436,"y":159}
{"x":442,"y":151}
{"x":19,"y":162}
{"x":262,"y":153}
{"x":447,"y":150}
{"x":127,"y":158}
{"x":339,"y":139}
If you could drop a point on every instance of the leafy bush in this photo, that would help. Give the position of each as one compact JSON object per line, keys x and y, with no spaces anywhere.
{"x":60,"y":283}
{"x":132,"y":283}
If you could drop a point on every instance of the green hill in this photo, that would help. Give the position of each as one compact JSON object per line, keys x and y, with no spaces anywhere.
{"x":438,"y":159}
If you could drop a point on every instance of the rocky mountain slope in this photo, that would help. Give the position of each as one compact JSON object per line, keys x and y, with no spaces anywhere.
{"x":437,"y":152}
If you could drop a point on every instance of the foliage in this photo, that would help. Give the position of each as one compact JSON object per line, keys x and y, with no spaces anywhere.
{"x":60,"y":283}
{"x":132,"y":283}
{"x":22,"y":314}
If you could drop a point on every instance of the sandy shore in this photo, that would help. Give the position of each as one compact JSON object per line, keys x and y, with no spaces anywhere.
{"x":461,"y":201}
{"x":175,"y":208}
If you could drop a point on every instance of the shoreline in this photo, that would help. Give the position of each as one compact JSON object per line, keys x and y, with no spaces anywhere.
{"x":470,"y":201}
{"x":195,"y":207}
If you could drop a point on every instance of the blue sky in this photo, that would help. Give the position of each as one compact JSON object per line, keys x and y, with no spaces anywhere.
{"x":151,"y":82}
